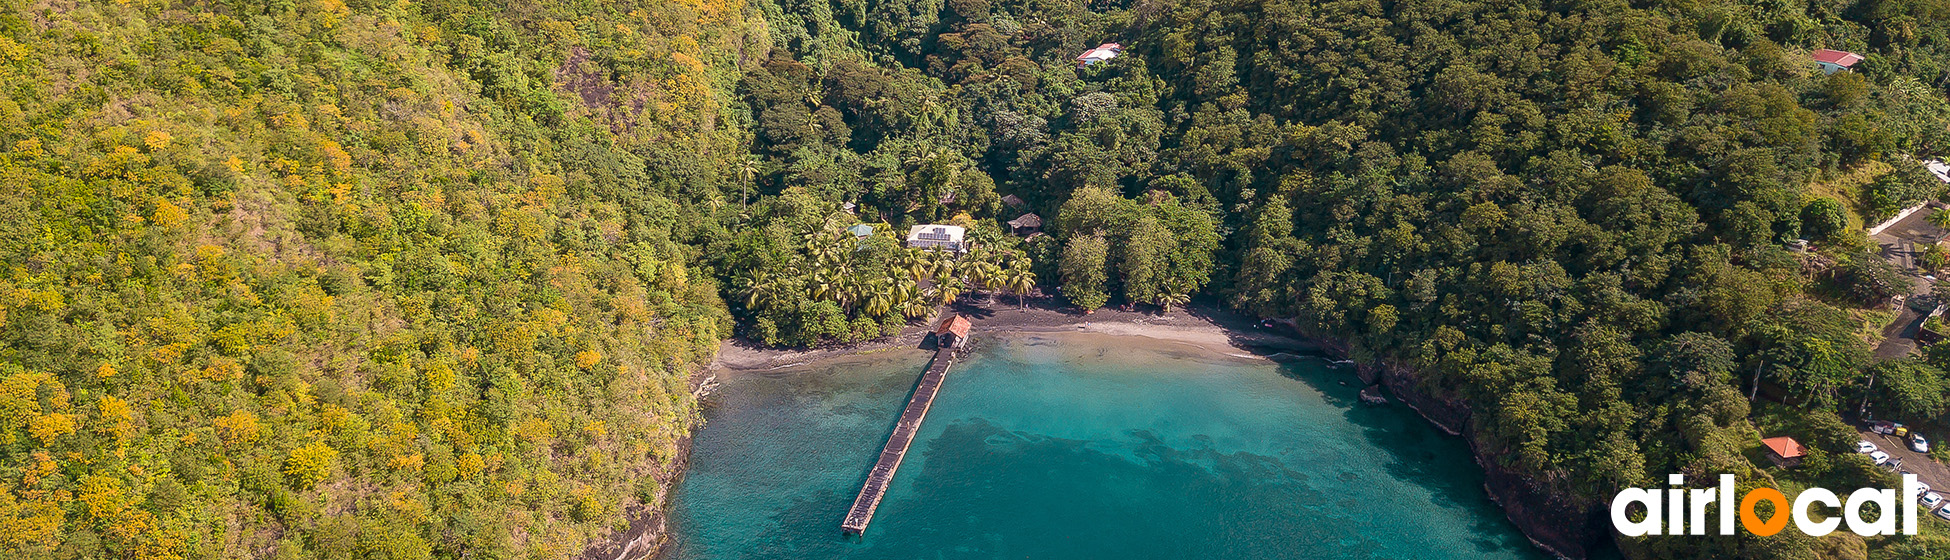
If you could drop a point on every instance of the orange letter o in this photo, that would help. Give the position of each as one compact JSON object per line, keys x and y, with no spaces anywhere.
{"x":1751,"y":520}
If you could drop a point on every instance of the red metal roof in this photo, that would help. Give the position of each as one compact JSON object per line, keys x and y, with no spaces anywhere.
{"x":1785,"y":447}
{"x":956,"y":324}
{"x":1839,"y":58}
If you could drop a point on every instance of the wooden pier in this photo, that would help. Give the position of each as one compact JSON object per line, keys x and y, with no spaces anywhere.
{"x":890,"y":457}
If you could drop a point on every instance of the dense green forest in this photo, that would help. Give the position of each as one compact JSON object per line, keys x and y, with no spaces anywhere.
{"x":391,"y":280}
{"x":373,"y":280}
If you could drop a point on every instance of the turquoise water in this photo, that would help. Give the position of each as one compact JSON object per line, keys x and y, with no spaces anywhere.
{"x":1081,"y":446}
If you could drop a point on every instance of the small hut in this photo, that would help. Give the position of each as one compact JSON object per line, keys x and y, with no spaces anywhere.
{"x":1014,"y":201}
{"x":953,"y":332}
{"x":1026,"y":224}
{"x":1784,"y":451}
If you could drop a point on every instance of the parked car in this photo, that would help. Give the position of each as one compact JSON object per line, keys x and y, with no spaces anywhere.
{"x":1918,"y":444}
{"x":1943,"y":513}
{"x":1879,"y":457}
{"x":1882,"y":427}
{"x":1865,"y":447}
{"x":1931,"y":500}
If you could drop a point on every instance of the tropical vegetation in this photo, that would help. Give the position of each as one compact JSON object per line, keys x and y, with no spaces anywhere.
{"x":355,"y":279}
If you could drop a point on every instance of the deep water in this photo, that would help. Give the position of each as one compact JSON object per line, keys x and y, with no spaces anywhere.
{"x":1082,"y":446}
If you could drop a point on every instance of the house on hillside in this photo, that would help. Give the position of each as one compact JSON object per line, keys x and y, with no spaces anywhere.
{"x":1784,"y":451}
{"x":1026,"y":224}
{"x":1102,"y":53}
{"x":1012,"y":200}
{"x":938,"y":237}
{"x":953,"y":332}
{"x":860,"y":231}
{"x":1832,"y":61}
{"x":1938,"y":168}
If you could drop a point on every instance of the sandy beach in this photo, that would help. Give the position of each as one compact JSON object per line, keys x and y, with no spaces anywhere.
{"x":1200,"y":325}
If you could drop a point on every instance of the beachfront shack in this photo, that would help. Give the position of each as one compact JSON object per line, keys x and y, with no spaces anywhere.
{"x":1784,"y":451}
{"x":953,"y":332}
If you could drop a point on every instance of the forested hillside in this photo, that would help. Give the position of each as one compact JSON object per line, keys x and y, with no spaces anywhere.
{"x":413,"y":279}
{"x":353,"y":280}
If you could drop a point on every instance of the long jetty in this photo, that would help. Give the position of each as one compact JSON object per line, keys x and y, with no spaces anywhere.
{"x":890,"y":457}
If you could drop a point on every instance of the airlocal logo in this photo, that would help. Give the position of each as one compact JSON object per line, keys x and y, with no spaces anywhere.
{"x":1673,"y":509}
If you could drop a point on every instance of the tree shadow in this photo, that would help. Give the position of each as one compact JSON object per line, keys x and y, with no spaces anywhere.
{"x":972,"y":310}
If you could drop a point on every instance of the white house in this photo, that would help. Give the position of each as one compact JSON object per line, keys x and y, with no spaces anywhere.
{"x":1102,"y":53}
{"x":1939,"y":169}
{"x":936,"y":236}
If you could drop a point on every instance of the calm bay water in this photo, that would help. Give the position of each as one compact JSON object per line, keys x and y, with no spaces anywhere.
{"x":1081,"y":446}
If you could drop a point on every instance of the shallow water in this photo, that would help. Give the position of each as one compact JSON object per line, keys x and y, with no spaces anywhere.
{"x":1081,"y":446}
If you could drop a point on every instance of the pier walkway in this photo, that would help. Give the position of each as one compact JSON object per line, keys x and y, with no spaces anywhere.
{"x":890,"y":457}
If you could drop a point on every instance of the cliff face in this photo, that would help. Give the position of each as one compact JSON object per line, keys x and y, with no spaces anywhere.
{"x":1554,"y":520}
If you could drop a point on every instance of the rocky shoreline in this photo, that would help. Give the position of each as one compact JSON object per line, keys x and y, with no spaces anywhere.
{"x":649,"y":527}
{"x":1540,"y":512}
{"x":1537,"y":510}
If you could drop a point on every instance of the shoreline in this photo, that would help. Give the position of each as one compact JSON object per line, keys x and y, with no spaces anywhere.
{"x":1199,"y":325}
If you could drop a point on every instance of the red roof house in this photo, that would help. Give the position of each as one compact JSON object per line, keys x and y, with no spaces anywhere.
{"x":1832,"y":61}
{"x":1102,"y":53}
{"x":1784,"y":451}
{"x":953,"y":331}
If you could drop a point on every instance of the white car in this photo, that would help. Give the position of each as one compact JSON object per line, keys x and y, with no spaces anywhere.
{"x":1879,"y":457}
{"x":1931,"y":500}
{"x":1943,"y":513}
{"x":1918,"y":444}
{"x":1864,"y":447}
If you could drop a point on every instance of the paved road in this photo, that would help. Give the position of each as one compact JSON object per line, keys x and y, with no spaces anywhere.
{"x":1899,"y":338}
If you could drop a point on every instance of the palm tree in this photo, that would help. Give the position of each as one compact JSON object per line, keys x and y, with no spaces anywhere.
{"x":824,"y":286}
{"x":880,"y":297}
{"x":1020,"y":281}
{"x":904,"y":289}
{"x":851,"y":291}
{"x":1166,"y":300}
{"x":943,"y":266}
{"x":759,"y":289}
{"x":1940,"y":218}
{"x":747,"y":170}
{"x":825,"y":244}
{"x":1934,"y":257}
{"x":919,"y":264}
{"x":916,"y":308}
{"x":912,"y":261}
{"x":948,"y":292}
{"x":982,"y":275}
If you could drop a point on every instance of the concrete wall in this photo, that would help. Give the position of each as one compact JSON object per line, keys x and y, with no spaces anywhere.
{"x":1899,"y":217}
